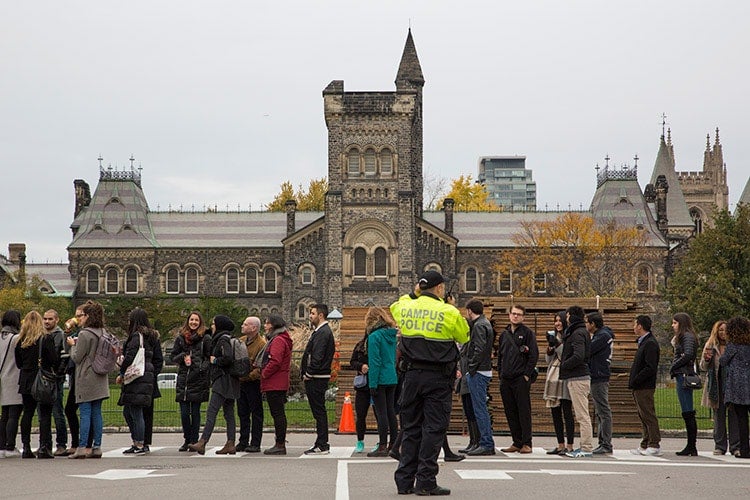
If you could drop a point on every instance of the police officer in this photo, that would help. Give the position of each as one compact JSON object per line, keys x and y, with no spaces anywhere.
{"x":430,"y":328}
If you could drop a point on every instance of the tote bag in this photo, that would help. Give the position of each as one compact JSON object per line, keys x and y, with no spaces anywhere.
{"x":138,"y":367}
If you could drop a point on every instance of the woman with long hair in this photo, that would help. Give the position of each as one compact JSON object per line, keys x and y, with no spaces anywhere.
{"x":685,"y":343}
{"x":359,"y":362}
{"x":33,"y":343}
{"x":191,"y":353}
{"x":91,"y":388}
{"x":382,"y":378}
{"x":713,"y":391}
{"x":556,"y":394}
{"x":138,"y":394}
{"x":736,"y":360}
{"x":276,"y":360}
{"x":10,"y":399}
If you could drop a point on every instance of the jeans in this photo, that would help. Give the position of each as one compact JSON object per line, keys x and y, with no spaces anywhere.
{"x":478,"y":384}
{"x":9,"y":426}
{"x":134,"y":418}
{"x":276,"y":401}
{"x":190,"y":416}
{"x":216,"y":402}
{"x":91,"y":422}
{"x":61,"y":430}
{"x":600,"y":395}
{"x":316,"y":398}
{"x":579,"y":396}
{"x":684,"y":396}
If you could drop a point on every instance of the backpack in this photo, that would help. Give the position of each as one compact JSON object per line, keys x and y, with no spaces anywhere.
{"x":240,"y":366}
{"x":106,"y":354}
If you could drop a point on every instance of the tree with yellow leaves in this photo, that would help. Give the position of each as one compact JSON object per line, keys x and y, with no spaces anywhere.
{"x":312,"y":200}
{"x":574,"y":256}
{"x":469,"y":196}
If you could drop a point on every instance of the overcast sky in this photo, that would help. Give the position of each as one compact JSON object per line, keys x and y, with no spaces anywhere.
{"x":220,"y":101}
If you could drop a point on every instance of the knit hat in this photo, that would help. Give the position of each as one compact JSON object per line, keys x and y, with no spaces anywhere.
{"x":223,"y":324}
{"x":430,"y":279}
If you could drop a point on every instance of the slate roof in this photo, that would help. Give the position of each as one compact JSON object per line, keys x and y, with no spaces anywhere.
{"x":56,"y":276}
{"x":745,"y":196}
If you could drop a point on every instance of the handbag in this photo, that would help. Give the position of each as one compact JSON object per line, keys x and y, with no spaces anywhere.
{"x":138,"y":367}
{"x":360,"y":381}
{"x":692,"y":380}
{"x":44,"y":387}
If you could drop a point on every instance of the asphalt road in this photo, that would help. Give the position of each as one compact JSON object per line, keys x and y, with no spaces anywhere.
{"x":167,"y":473}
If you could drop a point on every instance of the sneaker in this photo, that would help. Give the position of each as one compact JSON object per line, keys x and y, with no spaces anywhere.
{"x":318,"y":450}
{"x":579,"y":453}
{"x":139,"y":451}
{"x":146,"y":449}
{"x":14,"y":453}
{"x":360,"y":447}
{"x":638,"y":451}
{"x":652,"y":452}
{"x":130,"y":450}
{"x":600,"y":450}
{"x":436,"y":491}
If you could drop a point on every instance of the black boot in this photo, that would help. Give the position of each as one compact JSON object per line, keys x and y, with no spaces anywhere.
{"x":473,"y":437}
{"x":448,"y":455}
{"x":691,"y":426}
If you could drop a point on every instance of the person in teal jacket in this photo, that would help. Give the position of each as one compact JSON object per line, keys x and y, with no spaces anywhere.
{"x":382,"y":377}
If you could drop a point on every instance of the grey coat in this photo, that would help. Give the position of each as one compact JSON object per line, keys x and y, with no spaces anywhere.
{"x":736,"y":360}
{"x":90,"y":386}
{"x":9,"y":374}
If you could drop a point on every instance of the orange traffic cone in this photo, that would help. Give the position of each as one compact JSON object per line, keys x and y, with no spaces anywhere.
{"x":346,"y":425}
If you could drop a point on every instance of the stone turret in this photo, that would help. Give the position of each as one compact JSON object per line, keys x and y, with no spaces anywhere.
{"x":448,"y":205}
{"x":291,"y":210}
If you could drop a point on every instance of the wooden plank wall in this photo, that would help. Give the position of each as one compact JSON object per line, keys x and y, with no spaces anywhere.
{"x":618,"y":315}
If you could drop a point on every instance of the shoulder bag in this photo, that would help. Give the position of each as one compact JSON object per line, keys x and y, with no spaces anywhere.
{"x":44,"y":388}
{"x":692,"y":380}
{"x":360,"y":381}
{"x":138,"y":367}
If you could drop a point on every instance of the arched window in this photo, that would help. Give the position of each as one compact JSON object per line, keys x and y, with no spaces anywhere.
{"x":191,"y":280}
{"x":370,"y":163}
{"x":695,"y":214}
{"x":386,"y":162}
{"x":307,"y":274}
{"x":113,"y":281}
{"x":643,"y":279}
{"x":381,"y":262}
{"x":131,"y":280}
{"x":173,"y":280}
{"x":92,"y":280}
{"x":353,"y":163}
{"x":251,"y":280}
{"x":471,"y":282}
{"x":269,"y":280}
{"x":360,"y":262}
{"x":233,"y":280}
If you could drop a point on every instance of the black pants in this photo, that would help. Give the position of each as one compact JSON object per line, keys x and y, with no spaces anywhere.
{"x":216,"y":403}
{"x":45,"y":422}
{"x":316,"y":398}
{"x":468,"y":407}
{"x":742,"y":411}
{"x":386,"y":414}
{"x":361,"y":406}
{"x":9,"y":426}
{"x":276,"y":401}
{"x":250,"y":405}
{"x":517,"y":405}
{"x":425,"y":412}
{"x":562,"y":418}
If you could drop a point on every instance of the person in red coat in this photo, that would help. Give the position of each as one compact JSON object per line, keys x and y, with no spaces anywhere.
{"x":274,"y":362}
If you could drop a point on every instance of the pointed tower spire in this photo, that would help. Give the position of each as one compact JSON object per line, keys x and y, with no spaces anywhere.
{"x":717,"y":137}
{"x":677,"y":210}
{"x":409,"y":70}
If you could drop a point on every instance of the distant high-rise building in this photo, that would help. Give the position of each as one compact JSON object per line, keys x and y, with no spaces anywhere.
{"x":508,"y":182}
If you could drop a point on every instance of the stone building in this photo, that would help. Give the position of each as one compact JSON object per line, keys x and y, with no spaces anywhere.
{"x":368,"y":245}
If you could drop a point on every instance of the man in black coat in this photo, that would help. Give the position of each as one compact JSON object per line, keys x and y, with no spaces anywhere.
{"x":316,"y":373}
{"x":642,"y":382}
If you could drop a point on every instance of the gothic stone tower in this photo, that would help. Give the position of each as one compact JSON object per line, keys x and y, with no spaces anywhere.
{"x":375,"y":187}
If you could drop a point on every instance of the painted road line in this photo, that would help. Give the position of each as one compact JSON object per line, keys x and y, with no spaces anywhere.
{"x":626,"y":455}
{"x":119,"y":474}
{"x":508,"y":474}
{"x":118,"y":452}
{"x":334,"y":452}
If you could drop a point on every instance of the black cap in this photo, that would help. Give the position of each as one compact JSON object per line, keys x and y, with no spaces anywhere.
{"x":430,"y":279}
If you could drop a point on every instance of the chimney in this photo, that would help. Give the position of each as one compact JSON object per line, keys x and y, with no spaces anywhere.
{"x":448,"y":208}
{"x":291,"y":210}
{"x":15,"y":251}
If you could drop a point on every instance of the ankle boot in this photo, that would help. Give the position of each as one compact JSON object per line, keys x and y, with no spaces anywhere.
{"x":691,"y":426}
{"x":473,"y":437}
{"x":27,"y":453}
{"x":278,"y":449}
{"x":199,"y":447}
{"x":228,"y":449}
{"x":448,"y":455}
